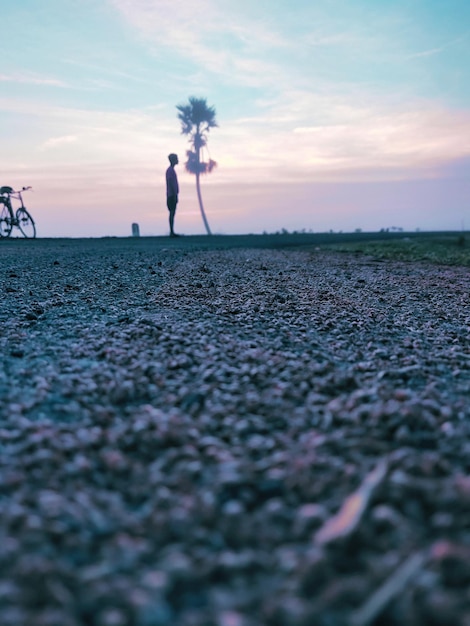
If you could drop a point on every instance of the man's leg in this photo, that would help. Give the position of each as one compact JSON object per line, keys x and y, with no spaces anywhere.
{"x":171,"y":204}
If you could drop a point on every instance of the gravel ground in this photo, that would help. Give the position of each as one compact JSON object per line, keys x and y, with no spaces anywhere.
{"x":231,"y":437}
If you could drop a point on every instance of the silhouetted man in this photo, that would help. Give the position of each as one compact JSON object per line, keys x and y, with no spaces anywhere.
{"x":172,"y":190}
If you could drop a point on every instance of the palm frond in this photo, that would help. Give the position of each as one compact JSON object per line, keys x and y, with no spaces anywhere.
{"x":193,"y":166}
{"x":196,"y":117}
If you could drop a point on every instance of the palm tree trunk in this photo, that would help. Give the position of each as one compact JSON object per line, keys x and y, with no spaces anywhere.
{"x":201,"y":206}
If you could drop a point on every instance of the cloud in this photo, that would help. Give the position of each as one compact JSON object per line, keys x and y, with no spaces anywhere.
{"x":439,"y":49}
{"x":55,"y":142}
{"x":105,"y":70}
{"x":208,"y":33}
{"x":98,"y":142}
{"x":308,"y":136}
{"x":291,"y":126}
{"x":425,"y":53}
{"x":298,"y":136}
{"x":32,"y":79}
{"x":45,"y":81}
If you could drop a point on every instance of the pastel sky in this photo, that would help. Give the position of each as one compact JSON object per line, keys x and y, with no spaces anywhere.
{"x":333,"y":114}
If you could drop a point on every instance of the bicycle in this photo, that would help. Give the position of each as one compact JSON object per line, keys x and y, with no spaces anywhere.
{"x":21,"y":219}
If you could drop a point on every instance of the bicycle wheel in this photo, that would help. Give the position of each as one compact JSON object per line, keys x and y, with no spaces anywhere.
{"x":26,"y":223}
{"x":5,"y":221}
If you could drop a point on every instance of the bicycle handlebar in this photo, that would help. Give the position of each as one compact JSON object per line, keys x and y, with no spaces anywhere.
{"x":10,"y":191}
{"x":21,"y":190}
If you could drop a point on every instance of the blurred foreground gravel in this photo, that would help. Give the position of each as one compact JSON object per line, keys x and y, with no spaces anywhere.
{"x":231,"y":437}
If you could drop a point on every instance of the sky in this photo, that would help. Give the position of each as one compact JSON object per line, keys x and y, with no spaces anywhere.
{"x":332,"y":115}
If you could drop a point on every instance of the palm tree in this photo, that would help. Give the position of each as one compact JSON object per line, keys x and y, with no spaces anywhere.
{"x":197,"y":118}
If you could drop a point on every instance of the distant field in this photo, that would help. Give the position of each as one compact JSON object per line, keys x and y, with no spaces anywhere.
{"x":436,"y":248}
{"x":446,"y":247}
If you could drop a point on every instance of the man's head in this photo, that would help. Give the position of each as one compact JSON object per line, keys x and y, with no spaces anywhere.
{"x":173,"y":158}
